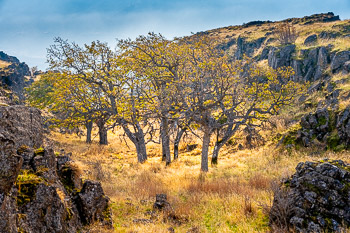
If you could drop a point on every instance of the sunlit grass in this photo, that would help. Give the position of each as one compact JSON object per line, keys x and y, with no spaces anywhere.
{"x":226,"y":199}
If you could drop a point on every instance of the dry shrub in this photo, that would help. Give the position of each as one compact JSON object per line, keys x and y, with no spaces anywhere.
{"x":280,"y":210}
{"x":278,"y":122}
{"x":147,"y":185}
{"x":248,"y":207}
{"x":98,"y":173}
{"x":259,"y":181}
{"x":220,"y":186}
{"x":156,"y":168}
{"x":286,"y":33}
{"x":182,"y":207}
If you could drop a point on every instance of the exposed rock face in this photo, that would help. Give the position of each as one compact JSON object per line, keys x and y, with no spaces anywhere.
{"x":20,"y":125}
{"x":282,"y":57}
{"x":339,"y":60}
{"x":325,"y":128}
{"x":318,"y":195}
{"x":343,"y":126}
{"x":247,"y":48}
{"x":310,"y":64}
{"x":39,"y":191}
{"x":13,"y":76}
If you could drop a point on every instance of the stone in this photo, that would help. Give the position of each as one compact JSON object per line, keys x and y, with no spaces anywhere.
{"x":328,"y":35}
{"x":92,"y":204}
{"x":317,"y":197}
{"x":49,"y":212}
{"x":339,"y":60}
{"x":312,"y":39}
{"x":161,"y":202}
{"x":10,"y":166}
{"x":20,"y":126}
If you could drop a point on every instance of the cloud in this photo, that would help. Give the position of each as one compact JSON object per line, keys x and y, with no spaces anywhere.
{"x":28,"y":27}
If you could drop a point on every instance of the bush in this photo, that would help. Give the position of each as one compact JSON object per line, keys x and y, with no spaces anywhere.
{"x":286,"y":33}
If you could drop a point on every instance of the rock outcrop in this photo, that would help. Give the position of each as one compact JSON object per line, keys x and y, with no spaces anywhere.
{"x":40,"y":190}
{"x":325,"y":128}
{"x":257,"y":39}
{"x":13,"y":76}
{"x":318,"y":197}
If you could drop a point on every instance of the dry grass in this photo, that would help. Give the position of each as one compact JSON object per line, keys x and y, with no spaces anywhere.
{"x":229,"y":198}
{"x":4,"y":64}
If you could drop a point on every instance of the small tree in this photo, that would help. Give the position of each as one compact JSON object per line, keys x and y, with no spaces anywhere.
{"x":286,"y":33}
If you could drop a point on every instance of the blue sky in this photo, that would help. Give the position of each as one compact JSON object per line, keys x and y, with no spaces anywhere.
{"x":28,"y":26}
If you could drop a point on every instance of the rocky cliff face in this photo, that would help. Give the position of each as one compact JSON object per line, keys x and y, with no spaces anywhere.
{"x":313,"y":56}
{"x":40,"y":190}
{"x":13,"y":74}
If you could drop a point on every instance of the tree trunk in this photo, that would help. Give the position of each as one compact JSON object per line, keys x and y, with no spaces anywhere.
{"x":165,"y":140}
{"x":205,"y":150}
{"x":214,"y":158}
{"x":88,"y":126}
{"x":141,"y":150}
{"x":163,"y":149}
{"x":177,"y":143}
{"x":138,"y":139}
{"x":102,"y":132}
{"x":229,"y":132}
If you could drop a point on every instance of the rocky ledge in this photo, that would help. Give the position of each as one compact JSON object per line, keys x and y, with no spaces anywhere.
{"x":40,"y":190}
{"x":315,"y":199}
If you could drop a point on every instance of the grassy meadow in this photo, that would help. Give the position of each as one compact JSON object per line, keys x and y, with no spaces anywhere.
{"x":234,"y":196}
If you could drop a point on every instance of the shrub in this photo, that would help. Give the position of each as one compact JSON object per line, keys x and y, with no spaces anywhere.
{"x":286,"y":33}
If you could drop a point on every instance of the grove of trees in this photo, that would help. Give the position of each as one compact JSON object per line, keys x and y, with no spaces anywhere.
{"x":156,"y":89}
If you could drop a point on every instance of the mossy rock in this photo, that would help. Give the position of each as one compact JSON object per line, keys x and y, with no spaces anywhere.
{"x":70,"y":177}
{"x":333,"y":141}
{"x":26,"y":184}
{"x":22,"y":149}
{"x":39,"y":151}
{"x":290,"y":137}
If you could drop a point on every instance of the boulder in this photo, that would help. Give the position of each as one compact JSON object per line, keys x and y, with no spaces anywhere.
{"x":20,"y":126}
{"x":312,"y":39}
{"x":317,"y":198}
{"x":49,"y":211}
{"x":339,"y":60}
{"x":161,"y":203}
{"x":93,"y":204}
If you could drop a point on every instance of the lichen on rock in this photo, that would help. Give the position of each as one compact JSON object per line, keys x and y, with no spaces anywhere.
{"x":39,"y":191}
{"x":318,"y":195}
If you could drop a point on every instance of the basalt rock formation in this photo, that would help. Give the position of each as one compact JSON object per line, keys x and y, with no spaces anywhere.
{"x":324,"y":128}
{"x":310,"y":60}
{"x":40,"y":190}
{"x":315,"y":199}
{"x":14,"y":77}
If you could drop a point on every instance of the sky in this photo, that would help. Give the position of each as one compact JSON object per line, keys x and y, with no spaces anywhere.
{"x":27,"y":27}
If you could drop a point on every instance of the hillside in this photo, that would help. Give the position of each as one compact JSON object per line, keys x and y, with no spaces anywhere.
{"x":236,"y":195}
{"x":288,"y":172}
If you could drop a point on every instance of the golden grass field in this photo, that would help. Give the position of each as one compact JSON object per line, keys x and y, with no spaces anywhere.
{"x":231,"y":197}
